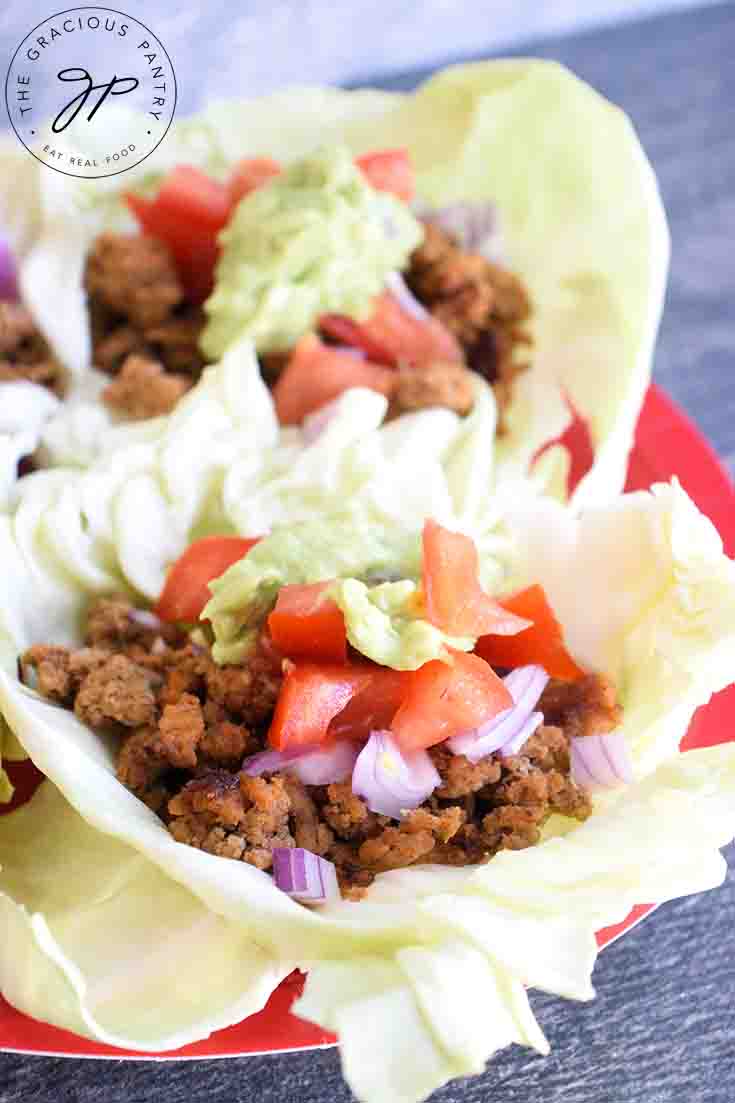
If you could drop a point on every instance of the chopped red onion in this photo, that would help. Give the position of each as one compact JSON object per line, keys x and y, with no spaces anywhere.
{"x":304,"y":875}
{"x":313,"y":766}
{"x":315,"y":423}
{"x":475,"y":224}
{"x":8,"y":281}
{"x":512,"y":727}
{"x":349,"y":350}
{"x":390,"y":781}
{"x":267,"y":762}
{"x":145,"y":618}
{"x":397,"y":287}
{"x":601,"y":761}
{"x":515,"y":744}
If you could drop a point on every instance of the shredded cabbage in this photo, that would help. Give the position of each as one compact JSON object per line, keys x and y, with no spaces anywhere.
{"x":24,"y":409}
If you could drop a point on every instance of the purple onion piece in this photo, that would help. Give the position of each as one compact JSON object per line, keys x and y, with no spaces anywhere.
{"x":397,"y":287}
{"x":525,"y":684}
{"x":265,"y":762}
{"x":600,"y":761}
{"x":313,"y":766}
{"x":8,"y":274}
{"x":315,"y":423}
{"x":304,"y":876}
{"x":389,"y":781}
{"x":145,"y":618}
{"x":349,"y":350}
{"x":475,"y":224}
{"x":326,"y":767}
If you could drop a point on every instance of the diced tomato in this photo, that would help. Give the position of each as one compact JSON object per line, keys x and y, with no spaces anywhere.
{"x":393,"y":336}
{"x":389,"y":170}
{"x":374,"y":707}
{"x":455,"y":600}
{"x":186,"y":591}
{"x":194,"y":248}
{"x":347,"y":331}
{"x":195,"y":263}
{"x":186,"y":215}
{"x":311,"y":696}
{"x":248,"y":175}
{"x":189,"y":193}
{"x":315,"y":374}
{"x":542,"y":643}
{"x":306,"y":624}
{"x":442,"y":699}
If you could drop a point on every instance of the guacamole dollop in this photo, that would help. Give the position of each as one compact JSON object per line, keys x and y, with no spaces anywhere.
{"x":385,"y":621}
{"x":318,"y":238}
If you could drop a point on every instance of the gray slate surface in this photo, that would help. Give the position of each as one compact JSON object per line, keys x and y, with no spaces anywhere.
{"x":662,"y":1029}
{"x":222,"y":48}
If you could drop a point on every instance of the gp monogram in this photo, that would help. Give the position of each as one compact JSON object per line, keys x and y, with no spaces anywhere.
{"x":90,"y":92}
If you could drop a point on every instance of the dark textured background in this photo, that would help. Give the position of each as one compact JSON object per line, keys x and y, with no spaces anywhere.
{"x":662,"y":1029}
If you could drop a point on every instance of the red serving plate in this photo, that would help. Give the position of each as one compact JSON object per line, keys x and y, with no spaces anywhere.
{"x":667,"y":443}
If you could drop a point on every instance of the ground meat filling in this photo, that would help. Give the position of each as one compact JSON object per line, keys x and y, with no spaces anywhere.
{"x":185,"y":725}
{"x":586,"y":707}
{"x":484,"y":305}
{"x":437,"y":383}
{"x":143,"y":388}
{"x":146,"y":334}
{"x":144,"y":331}
{"x":24,"y":351}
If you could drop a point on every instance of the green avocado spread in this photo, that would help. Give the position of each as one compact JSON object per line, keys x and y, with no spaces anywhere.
{"x":386,"y":621}
{"x":316,"y":239}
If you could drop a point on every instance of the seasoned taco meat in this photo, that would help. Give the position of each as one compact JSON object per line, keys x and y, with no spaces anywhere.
{"x":147,"y":334}
{"x":484,"y":305}
{"x":185,"y":725}
{"x":143,"y":329}
{"x":233,"y":816}
{"x":143,"y":388}
{"x":438,"y":383}
{"x":24,"y":351}
{"x":134,"y":277}
{"x":586,"y":707}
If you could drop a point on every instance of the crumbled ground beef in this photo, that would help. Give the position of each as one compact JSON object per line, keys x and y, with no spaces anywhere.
{"x":146,"y":333}
{"x":185,"y":725}
{"x":113,"y":623}
{"x":143,"y":329}
{"x":175,"y":340}
{"x":309,"y":830}
{"x":438,"y":383}
{"x":133,"y":276}
{"x":460,"y":777}
{"x":24,"y":351}
{"x":234,"y":816}
{"x":143,"y":388}
{"x":485,"y":306}
{"x":586,"y":707}
{"x":117,"y":691}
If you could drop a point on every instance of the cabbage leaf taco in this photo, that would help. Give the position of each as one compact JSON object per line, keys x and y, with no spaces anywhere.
{"x":324,"y":696}
{"x":502,"y":222}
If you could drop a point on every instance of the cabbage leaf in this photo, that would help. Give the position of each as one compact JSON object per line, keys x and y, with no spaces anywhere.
{"x":583,"y":225}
